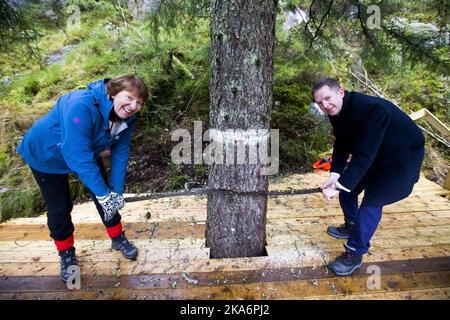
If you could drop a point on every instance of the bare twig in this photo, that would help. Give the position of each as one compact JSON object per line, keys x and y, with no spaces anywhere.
{"x":316,"y":33}
{"x":364,"y":79}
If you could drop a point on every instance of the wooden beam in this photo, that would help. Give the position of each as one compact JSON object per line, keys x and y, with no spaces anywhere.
{"x":447,"y":181}
{"x":433,"y":120}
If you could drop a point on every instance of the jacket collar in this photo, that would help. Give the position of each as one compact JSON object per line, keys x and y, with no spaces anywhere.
{"x":103,"y":100}
{"x":346,"y":103}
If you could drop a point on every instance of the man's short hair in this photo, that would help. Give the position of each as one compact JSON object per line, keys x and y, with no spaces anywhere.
{"x":330,"y":82}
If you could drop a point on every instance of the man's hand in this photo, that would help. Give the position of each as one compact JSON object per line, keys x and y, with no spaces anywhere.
{"x":331,"y":181}
{"x":329,"y":193}
{"x":111,"y":203}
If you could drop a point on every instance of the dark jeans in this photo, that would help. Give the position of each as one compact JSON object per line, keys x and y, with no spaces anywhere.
{"x":364,"y":219}
{"x":56,"y":191}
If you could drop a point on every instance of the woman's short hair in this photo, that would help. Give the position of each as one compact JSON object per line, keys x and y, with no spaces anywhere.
{"x":128,"y":82}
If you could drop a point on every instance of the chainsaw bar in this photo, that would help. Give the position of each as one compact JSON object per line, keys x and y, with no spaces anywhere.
{"x":201,"y":191}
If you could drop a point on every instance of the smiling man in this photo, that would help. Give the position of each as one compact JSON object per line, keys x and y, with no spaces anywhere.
{"x":84,"y":126}
{"x":387,"y":150}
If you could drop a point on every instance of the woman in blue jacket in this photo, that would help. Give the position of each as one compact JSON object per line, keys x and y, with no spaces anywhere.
{"x":83,"y":126}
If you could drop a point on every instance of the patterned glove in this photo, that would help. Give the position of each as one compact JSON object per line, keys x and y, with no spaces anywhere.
{"x":111,"y":203}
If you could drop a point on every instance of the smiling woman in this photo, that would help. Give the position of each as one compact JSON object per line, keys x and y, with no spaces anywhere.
{"x":129,"y":93}
{"x":83,"y":126}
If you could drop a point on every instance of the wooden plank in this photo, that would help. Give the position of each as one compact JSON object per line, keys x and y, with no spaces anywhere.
{"x":8,"y":256}
{"x":140,"y":214}
{"x":407,"y":232}
{"x":437,"y":124}
{"x":418,"y":114}
{"x":380,"y":242}
{"x":157,"y":266}
{"x":447,"y":180}
{"x":184,"y":229}
{"x":83,"y":245}
{"x":293,"y":225}
{"x":297,"y":289}
{"x":198,"y":219}
{"x":146,"y":281}
{"x":427,"y":294}
{"x":279,"y":257}
{"x":327,"y":255}
{"x":96,"y":231}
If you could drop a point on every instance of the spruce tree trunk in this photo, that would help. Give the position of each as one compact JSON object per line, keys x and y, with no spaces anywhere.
{"x":242,"y":45}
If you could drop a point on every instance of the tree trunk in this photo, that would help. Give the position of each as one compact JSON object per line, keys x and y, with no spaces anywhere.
{"x":242,"y":45}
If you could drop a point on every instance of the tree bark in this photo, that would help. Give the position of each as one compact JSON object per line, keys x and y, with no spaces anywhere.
{"x":242,"y":45}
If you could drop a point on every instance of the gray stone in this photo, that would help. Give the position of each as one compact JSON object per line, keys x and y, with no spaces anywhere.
{"x":58,"y":56}
{"x":6,"y":80}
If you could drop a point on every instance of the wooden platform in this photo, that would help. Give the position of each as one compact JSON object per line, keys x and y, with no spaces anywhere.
{"x":411,"y":251}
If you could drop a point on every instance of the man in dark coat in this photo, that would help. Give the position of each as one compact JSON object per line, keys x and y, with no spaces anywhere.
{"x":386,"y":149}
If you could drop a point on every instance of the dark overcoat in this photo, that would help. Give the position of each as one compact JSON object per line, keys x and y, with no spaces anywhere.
{"x":386,"y":148}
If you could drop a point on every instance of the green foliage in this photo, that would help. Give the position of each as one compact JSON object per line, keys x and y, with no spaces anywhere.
{"x":4,"y":159}
{"x":174,"y":14}
{"x":20,"y":203}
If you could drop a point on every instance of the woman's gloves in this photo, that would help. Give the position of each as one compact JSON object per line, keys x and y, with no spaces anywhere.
{"x":111,"y":203}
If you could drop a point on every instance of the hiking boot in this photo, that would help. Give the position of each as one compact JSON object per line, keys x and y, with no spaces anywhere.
{"x":341,"y":232}
{"x":122,"y":244}
{"x":67,"y":259}
{"x":347,"y":263}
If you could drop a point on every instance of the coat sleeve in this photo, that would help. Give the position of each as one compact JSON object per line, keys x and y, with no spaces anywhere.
{"x":340,"y":154}
{"x":76,"y":147}
{"x":369,"y":136}
{"x":339,"y":157}
{"x":120,"y":153}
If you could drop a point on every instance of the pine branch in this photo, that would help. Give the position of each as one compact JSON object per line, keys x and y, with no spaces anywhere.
{"x":322,"y":20}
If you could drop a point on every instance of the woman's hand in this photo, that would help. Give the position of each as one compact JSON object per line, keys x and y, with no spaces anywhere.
{"x":111,"y":203}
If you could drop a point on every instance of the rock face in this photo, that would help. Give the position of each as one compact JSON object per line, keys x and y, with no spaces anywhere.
{"x":139,"y":8}
{"x":58,"y":56}
{"x":293,"y":18}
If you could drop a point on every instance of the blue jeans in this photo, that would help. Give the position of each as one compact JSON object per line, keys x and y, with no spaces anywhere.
{"x":364,"y":221}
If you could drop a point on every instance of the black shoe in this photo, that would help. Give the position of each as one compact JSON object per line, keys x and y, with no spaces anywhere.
{"x":67,"y":259}
{"x":347,"y":263}
{"x":122,"y":244}
{"x":341,"y":232}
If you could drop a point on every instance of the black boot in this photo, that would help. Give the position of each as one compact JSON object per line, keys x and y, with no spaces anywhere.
{"x":341,"y":232}
{"x":122,"y":244}
{"x":67,"y":259}
{"x":347,"y":263}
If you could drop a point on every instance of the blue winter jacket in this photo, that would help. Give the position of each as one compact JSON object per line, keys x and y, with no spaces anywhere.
{"x":72,"y":135}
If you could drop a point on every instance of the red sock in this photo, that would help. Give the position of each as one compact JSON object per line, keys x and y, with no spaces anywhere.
{"x":64,"y":244}
{"x":115,"y":231}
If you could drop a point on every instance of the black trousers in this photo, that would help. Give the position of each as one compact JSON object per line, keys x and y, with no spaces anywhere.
{"x":56,"y":191}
